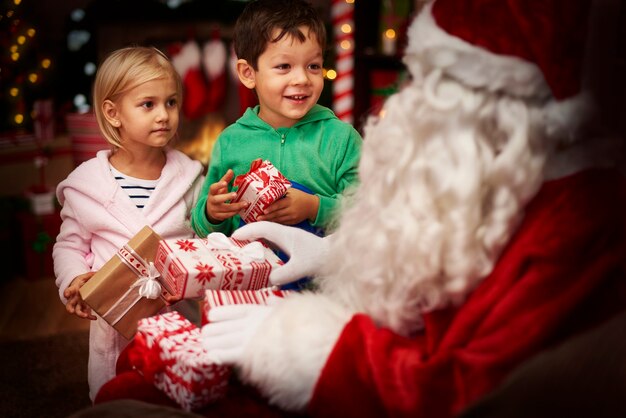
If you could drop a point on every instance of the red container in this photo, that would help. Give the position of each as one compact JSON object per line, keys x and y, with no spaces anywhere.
{"x":85,"y":136}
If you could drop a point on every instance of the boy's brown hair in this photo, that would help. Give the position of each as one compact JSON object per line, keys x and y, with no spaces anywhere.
{"x":254,"y":27}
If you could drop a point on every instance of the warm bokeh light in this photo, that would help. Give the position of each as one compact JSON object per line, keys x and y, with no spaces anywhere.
{"x":14,"y":91}
{"x":331,"y":74}
{"x":345,"y":44}
{"x":346,"y":28}
{"x":19,"y":118}
{"x":15,"y":56}
{"x":21,"y":39}
{"x":31,"y":32}
{"x":390,"y":34}
{"x":350,"y":1}
{"x":17,"y":2}
{"x":33,"y":77}
{"x":13,"y":49}
{"x":200,"y":147}
{"x":45,"y":63}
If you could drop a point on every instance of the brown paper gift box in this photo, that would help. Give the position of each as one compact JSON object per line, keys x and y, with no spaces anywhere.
{"x":114,"y":280}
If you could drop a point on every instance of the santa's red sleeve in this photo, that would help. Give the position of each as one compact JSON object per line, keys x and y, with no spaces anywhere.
{"x":562,"y":272}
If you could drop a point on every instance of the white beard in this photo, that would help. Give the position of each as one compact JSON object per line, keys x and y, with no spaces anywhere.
{"x":442,"y":190}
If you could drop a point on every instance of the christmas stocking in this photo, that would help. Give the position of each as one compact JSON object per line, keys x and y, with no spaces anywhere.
{"x":187,"y":64}
{"x":214,"y":63}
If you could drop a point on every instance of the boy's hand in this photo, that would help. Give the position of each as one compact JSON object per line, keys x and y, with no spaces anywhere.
{"x":218,"y":206}
{"x":294,"y":208}
{"x":75,"y":303}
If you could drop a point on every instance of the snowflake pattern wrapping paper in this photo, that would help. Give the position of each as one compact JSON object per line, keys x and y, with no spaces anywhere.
{"x":261,"y":187}
{"x":168,"y":353}
{"x":190,"y":266}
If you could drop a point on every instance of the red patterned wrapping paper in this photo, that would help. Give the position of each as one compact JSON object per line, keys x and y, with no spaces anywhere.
{"x":168,"y":353}
{"x":261,"y":186}
{"x":190,"y":266}
{"x":215,"y":298}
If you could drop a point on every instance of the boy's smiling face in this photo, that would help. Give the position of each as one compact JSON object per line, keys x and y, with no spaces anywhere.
{"x":288,"y":79}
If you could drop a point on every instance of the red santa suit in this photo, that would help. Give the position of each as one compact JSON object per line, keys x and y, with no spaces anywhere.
{"x":562,"y":272}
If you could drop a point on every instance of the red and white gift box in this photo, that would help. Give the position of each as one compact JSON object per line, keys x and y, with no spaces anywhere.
{"x":215,"y":298}
{"x":168,"y":353}
{"x":190,"y":266}
{"x":261,"y":187}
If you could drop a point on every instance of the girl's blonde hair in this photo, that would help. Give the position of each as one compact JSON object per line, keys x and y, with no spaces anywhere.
{"x":123,"y":70}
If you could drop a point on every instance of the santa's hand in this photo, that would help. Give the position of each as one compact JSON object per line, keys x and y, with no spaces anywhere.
{"x":306,"y":251}
{"x":230,"y":328}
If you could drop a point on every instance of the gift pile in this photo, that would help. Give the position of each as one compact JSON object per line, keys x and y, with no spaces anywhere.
{"x":131,"y":285}
{"x":261,"y":186}
{"x":190,"y":266}
{"x":168,"y":353}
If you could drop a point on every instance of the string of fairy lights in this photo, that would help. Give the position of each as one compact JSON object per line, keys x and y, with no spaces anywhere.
{"x":21,"y":68}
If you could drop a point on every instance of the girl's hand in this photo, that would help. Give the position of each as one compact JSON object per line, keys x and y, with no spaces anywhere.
{"x":294,"y":208}
{"x":75,"y":303}
{"x":218,"y":206}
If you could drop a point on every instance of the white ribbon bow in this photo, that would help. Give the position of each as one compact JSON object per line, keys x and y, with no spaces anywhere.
{"x":149,"y":287}
{"x":253,"y":251}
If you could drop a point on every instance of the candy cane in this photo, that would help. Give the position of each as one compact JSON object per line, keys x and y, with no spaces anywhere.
{"x":342,"y":14}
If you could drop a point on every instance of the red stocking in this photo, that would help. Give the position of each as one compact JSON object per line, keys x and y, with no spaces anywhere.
{"x":187,"y":64}
{"x":214,"y":60}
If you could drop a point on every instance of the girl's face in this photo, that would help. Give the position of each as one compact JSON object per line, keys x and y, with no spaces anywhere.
{"x":289,"y":79}
{"x":148,"y":114}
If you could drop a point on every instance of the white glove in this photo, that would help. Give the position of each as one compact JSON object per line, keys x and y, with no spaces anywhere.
{"x":230,"y":328}
{"x":306,"y":251}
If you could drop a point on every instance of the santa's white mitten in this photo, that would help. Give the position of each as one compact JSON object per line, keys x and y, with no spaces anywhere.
{"x":306,"y":251}
{"x":230,"y":328}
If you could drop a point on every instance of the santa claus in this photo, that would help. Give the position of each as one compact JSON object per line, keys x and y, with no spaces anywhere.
{"x":489,"y":225}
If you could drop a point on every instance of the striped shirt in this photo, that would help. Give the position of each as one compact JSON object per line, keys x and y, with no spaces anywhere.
{"x":139,"y":190}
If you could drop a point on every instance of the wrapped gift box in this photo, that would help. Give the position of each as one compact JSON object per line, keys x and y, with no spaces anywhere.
{"x":261,"y":186}
{"x":190,"y":266}
{"x":167,"y":351}
{"x":215,"y":298}
{"x":121,"y":291}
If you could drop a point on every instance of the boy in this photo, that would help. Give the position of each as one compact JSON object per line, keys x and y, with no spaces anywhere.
{"x":279,"y":45}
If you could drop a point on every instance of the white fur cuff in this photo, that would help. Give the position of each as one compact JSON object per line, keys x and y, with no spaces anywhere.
{"x":471,"y":65}
{"x":285,"y":357}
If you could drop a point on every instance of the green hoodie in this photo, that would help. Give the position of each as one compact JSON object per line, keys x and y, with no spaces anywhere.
{"x":319,"y":152}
